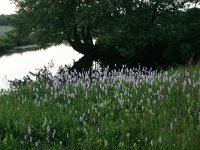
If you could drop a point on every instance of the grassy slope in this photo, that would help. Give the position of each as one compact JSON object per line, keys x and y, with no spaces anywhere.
{"x":3,"y":30}
{"x":161,"y":115}
{"x":5,"y":42}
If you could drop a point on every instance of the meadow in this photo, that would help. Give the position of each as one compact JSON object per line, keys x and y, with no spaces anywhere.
{"x":3,"y":30}
{"x":5,"y":42}
{"x":108,"y":109}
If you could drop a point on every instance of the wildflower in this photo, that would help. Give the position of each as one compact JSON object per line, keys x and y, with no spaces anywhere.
{"x":160,"y":139}
{"x":54,"y":132}
{"x":150,"y":111}
{"x":83,"y":114}
{"x":29,"y":130}
{"x":171,"y":126}
{"x":36,"y":144}
{"x":84,"y":123}
{"x":121,"y":144}
{"x":105,"y":142}
{"x":96,"y":110}
{"x":47,"y":138}
{"x":189,"y":110}
{"x":135,"y":145}
{"x":176,"y":119}
{"x":48,"y":129}
{"x":149,"y":90}
{"x":81,"y":119}
{"x":151,"y":142}
{"x":85,"y":131}
{"x":25,"y":137}
{"x":146,"y":139}
{"x":101,"y":105}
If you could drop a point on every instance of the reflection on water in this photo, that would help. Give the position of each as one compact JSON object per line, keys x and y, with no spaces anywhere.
{"x":18,"y":65}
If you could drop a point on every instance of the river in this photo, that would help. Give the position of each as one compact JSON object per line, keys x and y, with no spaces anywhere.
{"x":17,"y":65}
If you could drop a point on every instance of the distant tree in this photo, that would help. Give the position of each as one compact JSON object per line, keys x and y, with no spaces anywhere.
{"x":4,"y":20}
{"x":144,"y":31}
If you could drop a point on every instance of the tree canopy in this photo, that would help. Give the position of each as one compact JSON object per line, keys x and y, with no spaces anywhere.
{"x":143,"y":31}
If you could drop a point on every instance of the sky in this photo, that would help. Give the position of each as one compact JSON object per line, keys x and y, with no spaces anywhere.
{"x":6,"y":7}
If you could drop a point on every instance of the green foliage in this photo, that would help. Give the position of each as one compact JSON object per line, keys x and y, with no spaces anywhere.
{"x":5,"y":42}
{"x":4,"y":30}
{"x":149,"y":111}
{"x":4,"y":20}
{"x":146,"y":32}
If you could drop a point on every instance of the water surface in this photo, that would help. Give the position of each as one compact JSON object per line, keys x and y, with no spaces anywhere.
{"x":18,"y":65}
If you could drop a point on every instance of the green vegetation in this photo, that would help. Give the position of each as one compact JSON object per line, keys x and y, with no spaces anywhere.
{"x":5,"y":41}
{"x":148,"y":32}
{"x":124,"y":109}
{"x":4,"y":30}
{"x":4,"y":20}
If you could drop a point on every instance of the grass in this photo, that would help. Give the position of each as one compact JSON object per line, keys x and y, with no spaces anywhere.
{"x":3,"y":30}
{"x":125,"y":109}
{"x":5,"y":42}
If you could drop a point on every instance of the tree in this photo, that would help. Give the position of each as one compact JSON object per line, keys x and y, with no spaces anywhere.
{"x":55,"y":22}
{"x":3,"y":20}
{"x":132,"y":29}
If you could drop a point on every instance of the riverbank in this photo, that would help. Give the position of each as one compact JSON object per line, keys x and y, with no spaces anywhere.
{"x":125,"y":109}
{"x":17,"y":64}
{"x":7,"y":46}
{"x":20,"y":49}
{"x":5,"y":42}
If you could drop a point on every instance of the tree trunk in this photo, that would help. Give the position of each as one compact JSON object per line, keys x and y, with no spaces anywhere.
{"x":85,"y":63}
{"x":106,"y":55}
{"x":81,"y":41}
{"x":88,"y":49}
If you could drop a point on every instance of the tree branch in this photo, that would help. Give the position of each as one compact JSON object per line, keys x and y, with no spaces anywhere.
{"x":154,"y":14}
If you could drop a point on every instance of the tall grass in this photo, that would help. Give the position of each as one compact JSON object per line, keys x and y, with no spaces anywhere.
{"x":119,"y":109}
